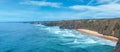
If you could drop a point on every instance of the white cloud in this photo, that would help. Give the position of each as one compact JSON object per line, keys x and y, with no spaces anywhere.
{"x":110,"y":10}
{"x":111,"y":7}
{"x":42,"y":3}
{"x":101,"y":11}
{"x":104,"y":1}
{"x":107,"y":1}
{"x":108,"y":7}
{"x":81,"y":7}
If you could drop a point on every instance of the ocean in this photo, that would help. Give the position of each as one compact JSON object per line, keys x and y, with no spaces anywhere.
{"x":26,"y":37}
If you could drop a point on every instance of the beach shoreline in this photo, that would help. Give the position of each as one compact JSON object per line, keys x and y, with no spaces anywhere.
{"x":94,"y":33}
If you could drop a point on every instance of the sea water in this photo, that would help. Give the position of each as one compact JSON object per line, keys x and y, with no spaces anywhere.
{"x":25,"y":37}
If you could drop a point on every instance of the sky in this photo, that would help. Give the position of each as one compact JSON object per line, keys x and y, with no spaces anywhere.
{"x":48,"y":10}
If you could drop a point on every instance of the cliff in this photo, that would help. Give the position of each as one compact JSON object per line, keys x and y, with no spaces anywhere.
{"x":109,"y":27}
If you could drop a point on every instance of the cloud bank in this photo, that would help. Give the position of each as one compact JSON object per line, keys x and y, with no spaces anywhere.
{"x":105,"y":9}
{"x":42,"y":3}
{"x":59,"y":9}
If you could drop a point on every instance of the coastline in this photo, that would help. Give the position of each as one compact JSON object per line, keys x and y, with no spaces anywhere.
{"x":94,"y":33}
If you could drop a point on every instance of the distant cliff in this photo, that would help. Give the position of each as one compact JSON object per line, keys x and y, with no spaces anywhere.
{"x":104,"y":26}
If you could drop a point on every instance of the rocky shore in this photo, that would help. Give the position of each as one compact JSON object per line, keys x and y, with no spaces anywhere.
{"x":104,"y":28}
{"x":110,"y":27}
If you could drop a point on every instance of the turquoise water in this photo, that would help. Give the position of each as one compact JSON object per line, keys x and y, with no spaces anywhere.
{"x":24,"y":37}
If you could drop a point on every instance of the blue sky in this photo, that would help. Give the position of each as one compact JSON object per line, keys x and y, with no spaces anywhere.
{"x":44,"y":10}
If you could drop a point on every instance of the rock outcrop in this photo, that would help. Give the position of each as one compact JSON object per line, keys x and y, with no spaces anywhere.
{"x":117,"y":49}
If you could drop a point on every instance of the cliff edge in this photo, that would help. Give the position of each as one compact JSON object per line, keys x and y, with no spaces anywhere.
{"x":110,"y":27}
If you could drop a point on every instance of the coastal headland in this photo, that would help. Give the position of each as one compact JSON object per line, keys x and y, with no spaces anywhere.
{"x":107,"y":27}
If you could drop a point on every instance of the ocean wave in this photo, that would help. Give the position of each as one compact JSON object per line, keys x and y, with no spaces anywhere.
{"x":78,"y":37}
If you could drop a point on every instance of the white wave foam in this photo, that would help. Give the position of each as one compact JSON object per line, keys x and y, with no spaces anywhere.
{"x":78,"y":37}
{"x":40,"y":25}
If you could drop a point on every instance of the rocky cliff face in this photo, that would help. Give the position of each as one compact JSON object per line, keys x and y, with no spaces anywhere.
{"x":109,"y":27}
{"x":117,"y":49}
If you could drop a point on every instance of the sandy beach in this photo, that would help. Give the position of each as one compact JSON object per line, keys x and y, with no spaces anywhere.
{"x":94,"y":33}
